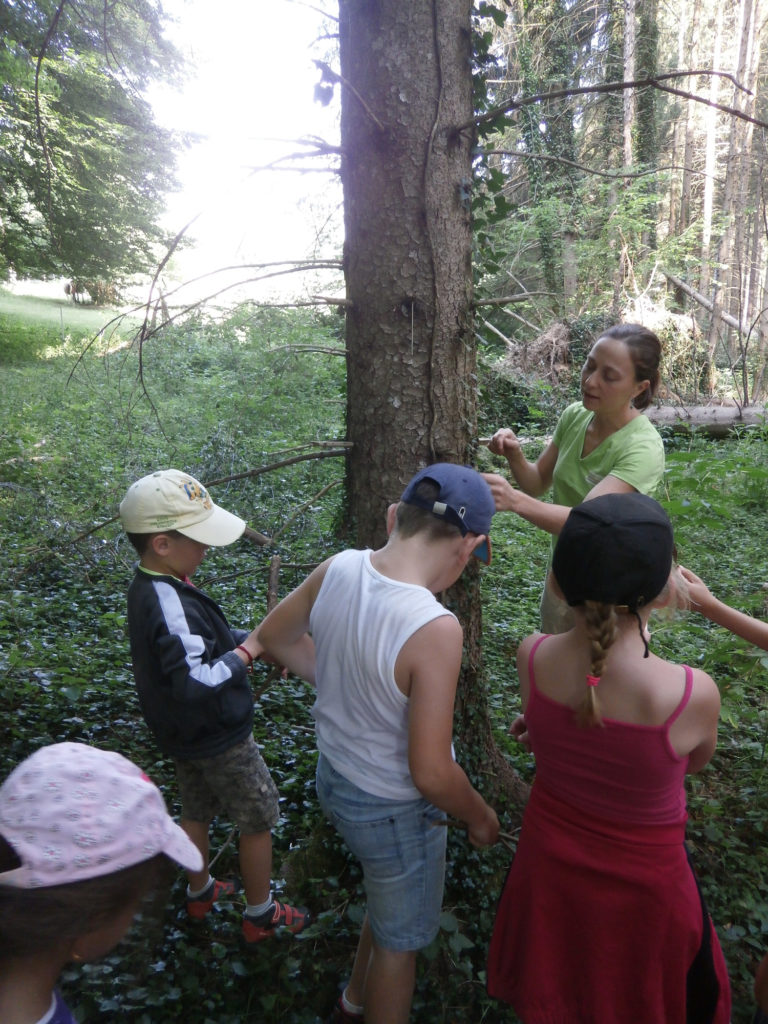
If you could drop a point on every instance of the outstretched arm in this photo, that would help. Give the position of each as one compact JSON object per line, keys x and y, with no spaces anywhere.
{"x":430,"y":662}
{"x":541,"y":513}
{"x":754,"y":631}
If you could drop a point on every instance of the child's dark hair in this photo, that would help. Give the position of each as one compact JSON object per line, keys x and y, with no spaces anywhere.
{"x":645,"y":352}
{"x":140,"y":541}
{"x":412,"y":519}
{"x":34,"y":921}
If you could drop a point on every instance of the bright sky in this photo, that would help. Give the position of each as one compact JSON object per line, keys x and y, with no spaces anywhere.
{"x":251,"y":97}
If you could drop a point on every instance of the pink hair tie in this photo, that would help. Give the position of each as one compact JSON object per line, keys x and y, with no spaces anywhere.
{"x":593,"y":680}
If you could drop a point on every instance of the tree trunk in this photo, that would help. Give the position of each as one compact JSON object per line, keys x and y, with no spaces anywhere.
{"x":630,"y":96}
{"x":688,"y":51}
{"x":411,"y":386}
{"x":722,"y":286}
{"x":710,"y":158}
{"x":715,"y":420}
{"x":411,"y":354}
{"x":570,"y":271}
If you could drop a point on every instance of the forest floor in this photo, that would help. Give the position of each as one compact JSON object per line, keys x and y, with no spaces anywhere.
{"x":218,"y":399}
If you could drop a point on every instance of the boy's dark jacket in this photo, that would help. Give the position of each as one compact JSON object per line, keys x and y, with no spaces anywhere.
{"x":193,"y":688}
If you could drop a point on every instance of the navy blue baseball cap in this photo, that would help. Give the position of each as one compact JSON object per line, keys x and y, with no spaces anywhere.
{"x":464,"y":499}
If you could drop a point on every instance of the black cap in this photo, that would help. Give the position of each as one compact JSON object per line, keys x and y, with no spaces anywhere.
{"x":616,"y":549}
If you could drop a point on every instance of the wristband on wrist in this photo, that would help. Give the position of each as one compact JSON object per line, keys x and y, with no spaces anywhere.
{"x":247,"y":653}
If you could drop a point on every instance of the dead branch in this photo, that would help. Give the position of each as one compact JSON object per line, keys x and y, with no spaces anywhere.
{"x":642,"y":83}
{"x":320,"y":146}
{"x":287,"y":266}
{"x":331,"y":454}
{"x":333,"y":301}
{"x":327,"y":350}
{"x":307,"y":304}
{"x":485,"y":441}
{"x":150,"y":328}
{"x":550,"y":158}
{"x":305,"y":505}
{"x":259,"y":538}
{"x":319,"y":10}
{"x":333,"y":76}
{"x":185,"y":310}
{"x":312,"y":446}
{"x":249,"y":533}
{"x":702,"y":300}
{"x":506,"y":300}
{"x":494,"y":330}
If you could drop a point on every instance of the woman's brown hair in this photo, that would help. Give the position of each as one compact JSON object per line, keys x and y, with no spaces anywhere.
{"x":645,"y":352}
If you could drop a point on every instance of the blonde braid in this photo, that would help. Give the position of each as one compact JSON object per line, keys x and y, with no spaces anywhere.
{"x":602,"y":629}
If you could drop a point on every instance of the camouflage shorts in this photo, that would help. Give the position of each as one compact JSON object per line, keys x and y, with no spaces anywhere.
{"x":236,"y":783}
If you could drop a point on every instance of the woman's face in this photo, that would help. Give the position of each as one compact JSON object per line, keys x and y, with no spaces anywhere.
{"x":608,"y":382}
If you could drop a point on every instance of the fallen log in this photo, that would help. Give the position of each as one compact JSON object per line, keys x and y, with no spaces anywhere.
{"x":702,"y":300}
{"x":715,"y":420}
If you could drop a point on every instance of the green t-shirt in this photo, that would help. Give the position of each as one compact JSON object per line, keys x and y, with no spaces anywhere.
{"x":634,"y":454}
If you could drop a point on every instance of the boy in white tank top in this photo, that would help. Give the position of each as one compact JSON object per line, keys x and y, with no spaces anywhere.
{"x":385,"y":656}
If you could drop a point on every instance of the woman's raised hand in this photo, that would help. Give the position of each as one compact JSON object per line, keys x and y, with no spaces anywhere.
{"x":505,"y":442}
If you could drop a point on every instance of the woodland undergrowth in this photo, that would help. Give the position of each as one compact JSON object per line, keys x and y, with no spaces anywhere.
{"x":223,"y":399}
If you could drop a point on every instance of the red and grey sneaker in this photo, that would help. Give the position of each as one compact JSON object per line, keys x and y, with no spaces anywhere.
{"x":198,"y":906}
{"x":339,"y":1015}
{"x":281,"y":915}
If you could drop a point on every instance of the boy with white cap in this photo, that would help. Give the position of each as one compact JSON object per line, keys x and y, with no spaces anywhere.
{"x":366,"y":627}
{"x":192,"y":676}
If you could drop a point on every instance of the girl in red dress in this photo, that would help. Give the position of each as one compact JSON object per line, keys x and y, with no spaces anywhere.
{"x":601,"y":920}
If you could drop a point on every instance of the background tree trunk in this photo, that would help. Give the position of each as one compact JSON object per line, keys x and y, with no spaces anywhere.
{"x":710,"y":156}
{"x":629,"y":95}
{"x":688,"y":52}
{"x":726,"y":277}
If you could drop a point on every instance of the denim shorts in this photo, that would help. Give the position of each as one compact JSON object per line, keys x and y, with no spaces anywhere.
{"x":236,"y":783}
{"x":402,"y":853}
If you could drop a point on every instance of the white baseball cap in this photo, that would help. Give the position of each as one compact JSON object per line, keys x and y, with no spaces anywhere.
{"x":171,"y":500}
{"x":72,"y":812}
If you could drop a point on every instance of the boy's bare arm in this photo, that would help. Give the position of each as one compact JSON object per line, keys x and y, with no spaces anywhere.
{"x":432,"y":659}
{"x":284,"y":632}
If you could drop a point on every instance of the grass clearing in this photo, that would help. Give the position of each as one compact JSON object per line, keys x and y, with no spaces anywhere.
{"x":61,"y":314}
{"x":225,"y":397}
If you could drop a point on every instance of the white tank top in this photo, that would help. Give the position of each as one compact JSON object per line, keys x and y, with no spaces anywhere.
{"x":359,"y":622}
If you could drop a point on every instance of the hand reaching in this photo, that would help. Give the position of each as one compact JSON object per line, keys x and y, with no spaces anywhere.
{"x":519,"y":730}
{"x":505,"y":442}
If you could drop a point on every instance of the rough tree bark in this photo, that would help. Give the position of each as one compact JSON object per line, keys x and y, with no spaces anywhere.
{"x":406,"y":178}
{"x":729,"y":258}
{"x":406,"y":81}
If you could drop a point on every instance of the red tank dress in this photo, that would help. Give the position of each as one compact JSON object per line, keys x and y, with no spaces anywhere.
{"x":601,"y":920}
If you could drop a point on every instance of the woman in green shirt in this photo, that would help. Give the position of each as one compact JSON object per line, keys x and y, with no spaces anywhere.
{"x":602,"y":444}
